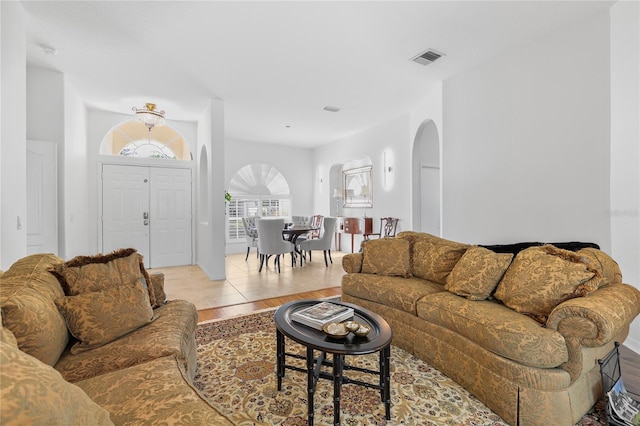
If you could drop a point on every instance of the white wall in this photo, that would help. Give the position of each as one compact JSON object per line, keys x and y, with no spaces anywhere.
{"x":625,"y":148}
{"x":210,"y":238}
{"x":77,"y":193}
{"x":395,"y":201}
{"x":526,"y":142}
{"x":13,"y":135}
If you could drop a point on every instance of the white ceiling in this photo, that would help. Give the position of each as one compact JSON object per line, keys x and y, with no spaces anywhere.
{"x":277,"y":64}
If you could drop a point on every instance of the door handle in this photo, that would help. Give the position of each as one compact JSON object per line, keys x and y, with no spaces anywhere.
{"x":145,"y":215}
{"x":146,"y":222}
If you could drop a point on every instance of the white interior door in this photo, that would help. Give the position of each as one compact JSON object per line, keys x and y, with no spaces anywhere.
{"x":170,"y":217}
{"x":430,"y":199}
{"x":42,"y":197}
{"x":125,"y":202}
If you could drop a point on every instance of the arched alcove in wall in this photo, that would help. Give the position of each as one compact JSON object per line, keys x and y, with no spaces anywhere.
{"x":203,"y":181}
{"x":426,"y":178}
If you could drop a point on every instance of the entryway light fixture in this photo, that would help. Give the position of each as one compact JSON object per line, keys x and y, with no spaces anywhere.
{"x":149,"y":115}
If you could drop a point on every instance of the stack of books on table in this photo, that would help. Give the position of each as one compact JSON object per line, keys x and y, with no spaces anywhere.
{"x":322,"y":313}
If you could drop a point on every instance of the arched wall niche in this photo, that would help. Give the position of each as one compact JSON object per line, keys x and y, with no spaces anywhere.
{"x":426,"y":178}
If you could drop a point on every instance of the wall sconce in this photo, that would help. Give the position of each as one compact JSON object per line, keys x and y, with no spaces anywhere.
{"x":387,"y":168}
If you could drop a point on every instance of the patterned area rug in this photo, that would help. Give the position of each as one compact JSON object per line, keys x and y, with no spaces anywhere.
{"x":236,"y":373}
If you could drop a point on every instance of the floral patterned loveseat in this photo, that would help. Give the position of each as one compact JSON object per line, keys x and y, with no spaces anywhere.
{"x":94,"y":342}
{"x":522,"y":333}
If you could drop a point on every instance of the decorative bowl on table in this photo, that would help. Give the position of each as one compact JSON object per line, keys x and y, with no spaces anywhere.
{"x":337,"y":330}
{"x":362,"y":330}
{"x":352,"y":326}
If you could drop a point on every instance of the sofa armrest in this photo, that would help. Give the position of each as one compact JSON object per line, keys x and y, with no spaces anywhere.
{"x":352,"y":263}
{"x":157,"y":280}
{"x":597,"y":318}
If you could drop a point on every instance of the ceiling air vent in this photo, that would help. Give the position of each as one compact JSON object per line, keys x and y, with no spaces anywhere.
{"x":427,"y":57}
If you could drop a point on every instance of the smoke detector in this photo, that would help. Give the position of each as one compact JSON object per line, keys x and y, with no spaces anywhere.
{"x":427,"y":57}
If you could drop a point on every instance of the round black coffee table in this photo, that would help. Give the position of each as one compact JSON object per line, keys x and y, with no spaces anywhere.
{"x":378,"y":340}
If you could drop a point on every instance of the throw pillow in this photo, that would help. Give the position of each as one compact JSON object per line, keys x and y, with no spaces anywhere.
{"x":36,"y":394}
{"x":434,"y":258}
{"x":100,"y":317}
{"x":386,"y":256}
{"x":540,"y":278}
{"x":477,"y":273}
{"x":94,"y":273}
{"x":604,"y":264}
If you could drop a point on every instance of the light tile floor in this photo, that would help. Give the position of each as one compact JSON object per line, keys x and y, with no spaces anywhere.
{"x":244,"y":283}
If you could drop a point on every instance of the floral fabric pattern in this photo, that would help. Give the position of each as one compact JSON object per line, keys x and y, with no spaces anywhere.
{"x":34,"y":393}
{"x":27,"y":295}
{"x":432,"y":258}
{"x":84,"y":274}
{"x":155,"y":392}
{"x":100,"y":317}
{"x":608,"y":268}
{"x":540,"y":278}
{"x":477,"y":273}
{"x":386,"y":256}
{"x":170,"y":333}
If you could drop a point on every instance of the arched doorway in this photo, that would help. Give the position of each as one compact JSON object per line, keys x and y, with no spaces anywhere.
{"x":146,"y":193}
{"x":427,"y":187}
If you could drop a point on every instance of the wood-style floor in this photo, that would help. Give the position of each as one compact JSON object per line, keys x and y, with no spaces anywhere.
{"x":246,"y":290}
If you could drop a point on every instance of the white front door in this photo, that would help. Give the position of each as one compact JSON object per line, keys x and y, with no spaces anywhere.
{"x":125,"y":202}
{"x":149,"y":209}
{"x":170,"y":217}
{"x":42,"y":197}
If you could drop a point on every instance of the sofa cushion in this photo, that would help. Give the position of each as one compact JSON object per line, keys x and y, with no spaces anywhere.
{"x":604,"y":264}
{"x":27,"y":295}
{"x":399,"y":293}
{"x":386,"y":256}
{"x":83,"y":274}
{"x":170,"y":333}
{"x":155,"y":392}
{"x":477,"y":273}
{"x":34,"y":393}
{"x":496,"y":328}
{"x":100,"y":317}
{"x":540,"y":278}
{"x":433,"y":258}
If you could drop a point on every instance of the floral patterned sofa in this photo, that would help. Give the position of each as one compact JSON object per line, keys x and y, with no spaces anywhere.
{"x":522,"y":332}
{"x":93,"y":341}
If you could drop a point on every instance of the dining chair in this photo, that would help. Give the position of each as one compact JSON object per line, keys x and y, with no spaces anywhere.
{"x":324,"y":242}
{"x":271,"y":242}
{"x":388,"y":226}
{"x":250,"y":234}
{"x":316,"y":223}
{"x":302,"y":221}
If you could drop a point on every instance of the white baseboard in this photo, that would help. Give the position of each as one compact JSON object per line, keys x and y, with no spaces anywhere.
{"x":633,"y":344}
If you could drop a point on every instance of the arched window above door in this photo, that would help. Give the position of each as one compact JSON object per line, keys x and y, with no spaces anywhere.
{"x":133,"y":139}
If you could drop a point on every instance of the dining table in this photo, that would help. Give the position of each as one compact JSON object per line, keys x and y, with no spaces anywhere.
{"x":292,"y":232}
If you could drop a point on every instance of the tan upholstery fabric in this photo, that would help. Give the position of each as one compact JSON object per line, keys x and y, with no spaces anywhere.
{"x":84,"y":274}
{"x":27,"y":295}
{"x":33,"y":393}
{"x":477,"y":273}
{"x":386,"y":256}
{"x":100,"y":317}
{"x":496,"y":328}
{"x":352,"y":263}
{"x":156,"y":392}
{"x":604,"y":264}
{"x":432,"y":258}
{"x":540,"y":278}
{"x":400,"y":293}
{"x":157,"y":280}
{"x":170,"y":333}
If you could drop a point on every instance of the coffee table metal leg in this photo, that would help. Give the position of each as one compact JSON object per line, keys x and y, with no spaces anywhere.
{"x":338,"y":362}
{"x":280,"y":357}
{"x":311,"y":387}
{"x":387,"y":382}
